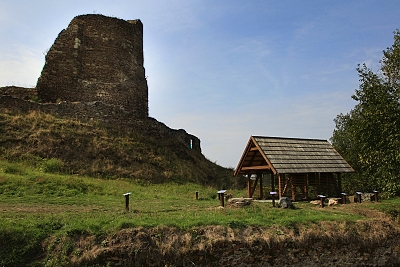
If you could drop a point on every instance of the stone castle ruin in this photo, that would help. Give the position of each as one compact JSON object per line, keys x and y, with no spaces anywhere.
{"x":94,"y":71}
{"x":97,"y":58}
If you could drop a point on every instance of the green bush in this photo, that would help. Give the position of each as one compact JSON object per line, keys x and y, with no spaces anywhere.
{"x":52,"y":165}
{"x":11,"y":168}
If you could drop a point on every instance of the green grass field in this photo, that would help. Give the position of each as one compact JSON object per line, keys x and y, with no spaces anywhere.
{"x":36,"y":205}
{"x":98,"y":205}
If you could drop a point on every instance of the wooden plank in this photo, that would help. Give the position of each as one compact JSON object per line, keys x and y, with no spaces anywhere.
{"x":264,"y":167}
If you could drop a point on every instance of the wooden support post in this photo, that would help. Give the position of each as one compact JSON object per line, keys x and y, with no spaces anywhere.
{"x":319,"y":183}
{"x":261,"y":185}
{"x":293,"y":188}
{"x":344,"y":198}
{"x":249,"y":185}
{"x":197,"y":195}
{"x":254,"y":186}
{"x":272,"y":182}
{"x":127,"y":201}
{"x":376,"y":195}
{"x":329,"y":183}
{"x":221,"y":197}
{"x":273,"y":193}
{"x":279,"y":186}
{"x":322,"y":198}
{"x":305,"y":193}
{"x":359,"y":197}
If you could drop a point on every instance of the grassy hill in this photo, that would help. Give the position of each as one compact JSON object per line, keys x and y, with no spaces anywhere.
{"x":74,"y":147}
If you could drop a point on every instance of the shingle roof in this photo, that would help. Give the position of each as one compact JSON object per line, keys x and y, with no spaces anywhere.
{"x":291,"y":155}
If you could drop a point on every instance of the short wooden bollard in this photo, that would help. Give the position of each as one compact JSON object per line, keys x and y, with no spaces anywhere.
{"x":221,"y":197}
{"x":127,"y":201}
{"x":273,"y":198}
{"x":197,"y":195}
{"x":376,"y":195}
{"x":322,"y":198}
{"x":344,"y":198}
{"x":359,"y":197}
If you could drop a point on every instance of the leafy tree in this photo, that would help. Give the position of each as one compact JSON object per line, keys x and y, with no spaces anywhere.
{"x":391,"y":62}
{"x":368,"y":136}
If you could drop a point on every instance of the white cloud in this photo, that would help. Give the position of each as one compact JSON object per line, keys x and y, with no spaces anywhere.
{"x":22,"y":67}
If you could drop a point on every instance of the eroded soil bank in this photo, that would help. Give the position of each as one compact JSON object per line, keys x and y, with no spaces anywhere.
{"x":364,"y":243}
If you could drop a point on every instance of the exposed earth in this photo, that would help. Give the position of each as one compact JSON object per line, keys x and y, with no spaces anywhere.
{"x":372,"y":242}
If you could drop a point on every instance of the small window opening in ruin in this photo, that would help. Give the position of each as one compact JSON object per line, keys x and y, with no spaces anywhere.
{"x":191,"y":143}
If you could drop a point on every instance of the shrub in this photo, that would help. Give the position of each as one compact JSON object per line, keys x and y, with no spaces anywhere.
{"x":52,"y":165}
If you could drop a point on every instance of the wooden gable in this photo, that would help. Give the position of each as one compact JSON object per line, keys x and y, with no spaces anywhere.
{"x":253,"y":158}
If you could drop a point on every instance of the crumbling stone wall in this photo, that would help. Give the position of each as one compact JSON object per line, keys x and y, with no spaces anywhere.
{"x":101,"y":112}
{"x":97,"y":58}
{"x":19,"y":92}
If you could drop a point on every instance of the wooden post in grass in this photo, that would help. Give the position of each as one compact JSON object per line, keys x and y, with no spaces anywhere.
{"x":221,"y":197}
{"x":322,"y":198}
{"x":127,"y":201}
{"x":344,"y":198}
{"x":197,"y":195}
{"x":273,"y":198}
{"x":359,"y":197}
{"x":376,"y":195}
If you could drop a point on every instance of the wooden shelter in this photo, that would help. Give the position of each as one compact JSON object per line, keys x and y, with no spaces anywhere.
{"x":298,"y":168}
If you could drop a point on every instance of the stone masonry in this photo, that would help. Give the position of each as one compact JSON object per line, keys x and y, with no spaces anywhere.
{"x":97,"y":58}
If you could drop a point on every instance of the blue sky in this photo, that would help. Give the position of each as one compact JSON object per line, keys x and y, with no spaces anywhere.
{"x":225,"y":70}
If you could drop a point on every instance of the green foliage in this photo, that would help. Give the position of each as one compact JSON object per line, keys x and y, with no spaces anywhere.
{"x":390,"y":62}
{"x":10,"y":168}
{"x":20,"y":240}
{"x":52,"y":165}
{"x":369,"y":135}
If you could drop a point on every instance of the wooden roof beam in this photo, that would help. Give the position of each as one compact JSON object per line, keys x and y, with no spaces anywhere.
{"x":264,"y":167}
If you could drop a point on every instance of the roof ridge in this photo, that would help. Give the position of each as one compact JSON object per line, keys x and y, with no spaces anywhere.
{"x":289,"y":138}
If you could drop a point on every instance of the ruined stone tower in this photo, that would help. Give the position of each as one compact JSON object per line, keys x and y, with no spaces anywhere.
{"x":94,"y":71}
{"x":97,"y":58}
